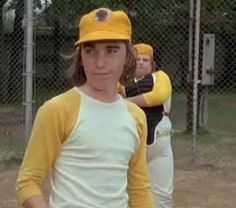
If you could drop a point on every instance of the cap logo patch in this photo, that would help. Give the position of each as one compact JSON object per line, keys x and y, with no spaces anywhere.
{"x":101,"y":15}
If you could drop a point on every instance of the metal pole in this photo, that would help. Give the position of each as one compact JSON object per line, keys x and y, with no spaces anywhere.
{"x":191,"y":20}
{"x":29,"y":70}
{"x":195,"y":74}
{"x":189,"y":113}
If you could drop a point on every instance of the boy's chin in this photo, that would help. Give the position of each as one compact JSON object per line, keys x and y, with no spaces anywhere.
{"x":102,"y":85}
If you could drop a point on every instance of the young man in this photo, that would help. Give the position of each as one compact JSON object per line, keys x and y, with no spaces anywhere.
{"x":151,"y":90}
{"x":90,"y":139}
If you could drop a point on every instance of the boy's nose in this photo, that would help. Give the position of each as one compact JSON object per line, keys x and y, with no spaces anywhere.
{"x":100,"y":60}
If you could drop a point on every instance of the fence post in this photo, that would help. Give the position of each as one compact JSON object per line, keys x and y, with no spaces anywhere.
{"x":197,"y":17}
{"x":189,"y":119}
{"x":28,"y":102}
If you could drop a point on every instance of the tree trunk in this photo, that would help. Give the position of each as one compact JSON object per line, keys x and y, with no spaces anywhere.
{"x":15,"y":86}
{"x":2,"y":87}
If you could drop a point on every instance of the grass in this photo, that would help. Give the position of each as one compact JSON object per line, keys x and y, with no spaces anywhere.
{"x":212,"y":148}
{"x":216,"y":144}
{"x":11,"y":150}
{"x":10,"y":162}
{"x":221,"y":113}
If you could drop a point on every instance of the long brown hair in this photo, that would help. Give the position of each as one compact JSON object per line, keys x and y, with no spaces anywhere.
{"x":77,"y":75}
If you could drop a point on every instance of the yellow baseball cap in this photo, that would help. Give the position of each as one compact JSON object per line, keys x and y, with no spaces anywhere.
{"x":104,"y":24}
{"x":144,"y":49}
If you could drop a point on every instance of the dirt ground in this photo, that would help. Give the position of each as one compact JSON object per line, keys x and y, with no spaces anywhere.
{"x":201,"y":187}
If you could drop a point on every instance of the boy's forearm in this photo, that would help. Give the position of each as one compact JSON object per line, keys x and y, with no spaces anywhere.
{"x":35,"y":202}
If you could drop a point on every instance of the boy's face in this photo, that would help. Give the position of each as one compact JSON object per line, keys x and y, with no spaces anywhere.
{"x":103,"y":63}
{"x":144,"y":66}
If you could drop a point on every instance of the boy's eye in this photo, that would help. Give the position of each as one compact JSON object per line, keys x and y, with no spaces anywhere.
{"x":88,"y":50}
{"x":112,"y":50}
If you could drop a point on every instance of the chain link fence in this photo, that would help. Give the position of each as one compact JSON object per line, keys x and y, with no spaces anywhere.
{"x":11,"y":84}
{"x":217,"y":17}
{"x":163,"y":24}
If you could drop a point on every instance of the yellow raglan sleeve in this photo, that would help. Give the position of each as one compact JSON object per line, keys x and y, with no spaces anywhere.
{"x":139,"y":187}
{"x":51,"y":127}
{"x":161,"y":90}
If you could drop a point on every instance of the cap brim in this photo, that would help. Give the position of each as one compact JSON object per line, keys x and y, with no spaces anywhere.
{"x":102,"y":35}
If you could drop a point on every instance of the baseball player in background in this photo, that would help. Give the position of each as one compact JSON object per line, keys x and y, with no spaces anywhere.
{"x":151,"y":90}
